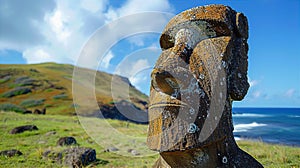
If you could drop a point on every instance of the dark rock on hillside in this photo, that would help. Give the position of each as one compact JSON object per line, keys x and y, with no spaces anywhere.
{"x":27,"y":112}
{"x":143,"y":102}
{"x":79,"y":156}
{"x":111,"y":149}
{"x":124,"y":111}
{"x":65,"y":141}
{"x":10,"y":153}
{"x":33,"y":70}
{"x":21,"y":129}
{"x":133,"y":152}
{"x":72,"y":157}
{"x":37,"y":111}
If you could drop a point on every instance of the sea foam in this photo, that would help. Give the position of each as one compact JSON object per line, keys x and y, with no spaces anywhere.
{"x":248,"y":115}
{"x":246,"y":127}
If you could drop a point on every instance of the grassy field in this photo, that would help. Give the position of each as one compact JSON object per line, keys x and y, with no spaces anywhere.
{"x":123,"y":136}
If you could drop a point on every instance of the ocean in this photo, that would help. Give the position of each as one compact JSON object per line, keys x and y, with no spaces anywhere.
{"x":271,"y":125}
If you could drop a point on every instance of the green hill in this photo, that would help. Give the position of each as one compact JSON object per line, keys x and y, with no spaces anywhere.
{"x":49,"y":85}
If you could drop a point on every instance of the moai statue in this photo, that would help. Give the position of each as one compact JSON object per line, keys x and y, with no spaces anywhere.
{"x":202,"y":69}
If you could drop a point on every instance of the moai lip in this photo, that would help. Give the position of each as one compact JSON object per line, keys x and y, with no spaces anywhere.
{"x":202,"y":69}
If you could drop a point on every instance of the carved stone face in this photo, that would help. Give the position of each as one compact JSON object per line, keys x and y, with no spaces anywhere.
{"x":202,"y":68}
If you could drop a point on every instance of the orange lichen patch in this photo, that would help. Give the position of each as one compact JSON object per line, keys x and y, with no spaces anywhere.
{"x":218,"y":13}
{"x":214,"y":12}
{"x":154,"y":132}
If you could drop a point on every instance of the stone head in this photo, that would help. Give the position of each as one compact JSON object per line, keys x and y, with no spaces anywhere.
{"x":202,"y":69}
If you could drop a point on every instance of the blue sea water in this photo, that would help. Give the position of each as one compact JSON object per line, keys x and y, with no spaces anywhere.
{"x":272,"y":125}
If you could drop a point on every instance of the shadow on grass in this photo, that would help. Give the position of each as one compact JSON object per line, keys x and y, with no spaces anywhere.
{"x":99,"y":162}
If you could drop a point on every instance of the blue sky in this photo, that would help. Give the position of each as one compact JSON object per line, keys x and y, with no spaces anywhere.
{"x":42,"y":31}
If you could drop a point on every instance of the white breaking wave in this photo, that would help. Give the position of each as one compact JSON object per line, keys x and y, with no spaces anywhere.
{"x":294,"y":116}
{"x":238,"y":138}
{"x":246,"y":127}
{"x":248,"y":115}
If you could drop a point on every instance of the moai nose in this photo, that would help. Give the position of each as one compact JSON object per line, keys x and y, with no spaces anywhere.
{"x":163,"y":81}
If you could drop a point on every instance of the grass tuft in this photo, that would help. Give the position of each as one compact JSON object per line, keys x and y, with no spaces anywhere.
{"x":5,"y":79}
{"x":11,"y":107}
{"x":32,"y":102}
{"x":60,"y":96}
{"x":16,"y":92}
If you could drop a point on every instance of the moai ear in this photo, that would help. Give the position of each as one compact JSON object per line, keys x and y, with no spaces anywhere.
{"x":238,"y":64}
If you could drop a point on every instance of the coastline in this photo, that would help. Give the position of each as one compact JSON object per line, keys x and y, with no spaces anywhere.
{"x":270,"y":125}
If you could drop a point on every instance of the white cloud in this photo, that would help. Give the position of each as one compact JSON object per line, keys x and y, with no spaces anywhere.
{"x":135,"y":75}
{"x":135,"y":6}
{"x":94,"y":5}
{"x":137,"y":40}
{"x":37,"y":56}
{"x":138,"y":80}
{"x":22,"y":23}
{"x":57,"y":30}
{"x":137,"y":67}
{"x":256,"y":94}
{"x":140,"y":64}
{"x":290,"y":93}
{"x":134,"y":70}
{"x":130,"y":68}
{"x":66,"y":31}
{"x":106,"y":60}
{"x":253,"y":82}
{"x":57,"y":24}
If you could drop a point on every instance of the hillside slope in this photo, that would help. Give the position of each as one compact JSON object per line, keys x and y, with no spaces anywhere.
{"x":49,"y":85}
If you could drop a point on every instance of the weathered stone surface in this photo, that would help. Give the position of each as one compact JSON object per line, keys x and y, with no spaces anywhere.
{"x":53,"y":156}
{"x":21,"y":129}
{"x":65,"y":141}
{"x":10,"y":153}
{"x":79,"y":156}
{"x":202,"y":69}
{"x":72,"y":157}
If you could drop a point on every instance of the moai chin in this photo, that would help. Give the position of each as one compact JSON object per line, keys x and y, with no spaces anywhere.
{"x":202,"y":69}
